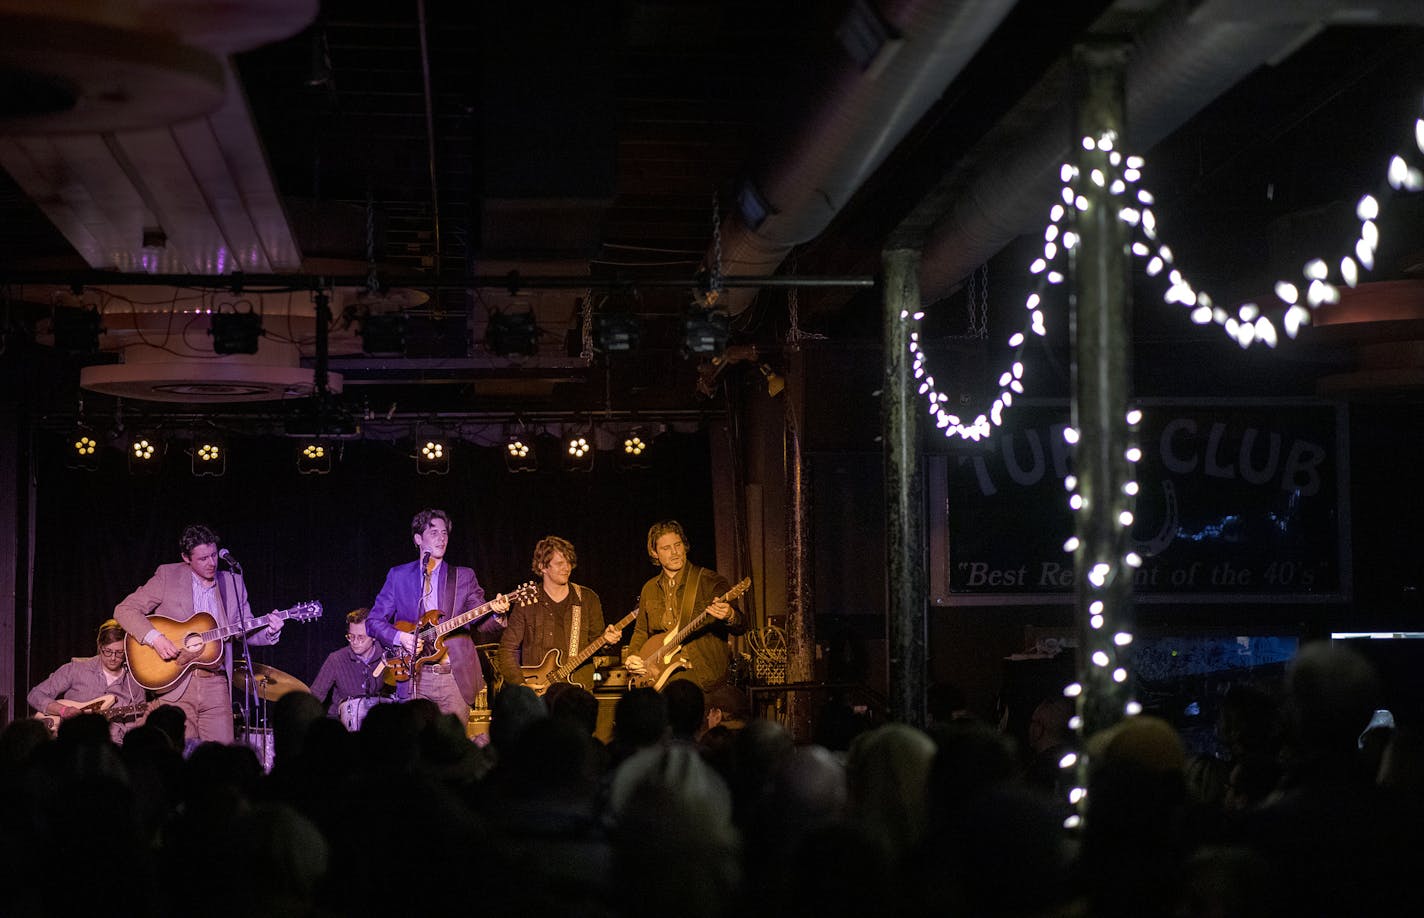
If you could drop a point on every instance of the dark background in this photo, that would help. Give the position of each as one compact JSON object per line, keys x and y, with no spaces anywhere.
{"x":331,"y":538}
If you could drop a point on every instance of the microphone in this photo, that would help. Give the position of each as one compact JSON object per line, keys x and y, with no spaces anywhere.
{"x":425,"y":562}
{"x":225,"y":555}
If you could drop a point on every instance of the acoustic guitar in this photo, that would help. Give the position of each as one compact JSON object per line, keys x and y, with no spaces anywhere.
{"x":430,"y":633}
{"x":104,"y":705}
{"x":548,"y":671}
{"x":199,"y":642}
{"x":662,"y":653}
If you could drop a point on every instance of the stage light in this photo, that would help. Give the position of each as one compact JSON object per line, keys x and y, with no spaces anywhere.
{"x":706,"y":332}
{"x":383,"y":334}
{"x":634,"y":451}
{"x":520,"y":454}
{"x":145,"y":453}
{"x":432,"y":456}
{"x":236,"y":332}
{"x":617,"y":332}
{"x":314,"y":457}
{"x":578,"y":451}
{"x":512,"y":333}
{"x":83,"y":450}
{"x":209,"y":457}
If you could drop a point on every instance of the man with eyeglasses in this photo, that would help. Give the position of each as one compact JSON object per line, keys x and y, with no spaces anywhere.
{"x":566,"y":616}
{"x":84,"y":681}
{"x":350,"y":672}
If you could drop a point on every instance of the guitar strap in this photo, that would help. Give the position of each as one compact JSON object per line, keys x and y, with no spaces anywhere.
{"x":689,"y":596}
{"x":448,"y":576}
{"x":574,"y":621}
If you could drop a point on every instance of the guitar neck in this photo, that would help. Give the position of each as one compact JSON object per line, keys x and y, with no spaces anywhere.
{"x":700,"y":620}
{"x":443,"y":628}
{"x":687,"y":629}
{"x":578,"y":659}
{"x":223,"y":632}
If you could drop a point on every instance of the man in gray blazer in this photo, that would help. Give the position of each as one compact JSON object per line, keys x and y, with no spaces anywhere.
{"x":179,"y":591}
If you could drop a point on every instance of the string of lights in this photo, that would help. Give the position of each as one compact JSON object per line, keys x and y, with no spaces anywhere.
{"x":1320,"y":278}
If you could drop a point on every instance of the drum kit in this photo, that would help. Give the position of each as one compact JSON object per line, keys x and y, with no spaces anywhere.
{"x":267,"y":682}
{"x":264,"y":683}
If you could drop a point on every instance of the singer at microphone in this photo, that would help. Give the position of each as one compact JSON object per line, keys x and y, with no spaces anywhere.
{"x":447,"y":670}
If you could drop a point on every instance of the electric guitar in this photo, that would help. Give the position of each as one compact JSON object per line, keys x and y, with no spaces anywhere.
{"x":430,"y":633}
{"x":548,"y":671}
{"x":104,"y":704}
{"x":662,"y":653}
{"x":199,"y":642}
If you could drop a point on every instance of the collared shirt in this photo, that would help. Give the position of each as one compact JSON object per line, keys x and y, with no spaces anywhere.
{"x":430,"y":599}
{"x":205,"y":596}
{"x":345,"y":675}
{"x":671,"y":601}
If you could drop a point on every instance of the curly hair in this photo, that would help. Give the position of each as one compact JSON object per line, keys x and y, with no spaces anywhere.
{"x":195,"y":535}
{"x":544,"y":552}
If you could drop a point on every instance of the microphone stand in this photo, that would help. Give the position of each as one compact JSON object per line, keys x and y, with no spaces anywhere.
{"x":251,"y":696}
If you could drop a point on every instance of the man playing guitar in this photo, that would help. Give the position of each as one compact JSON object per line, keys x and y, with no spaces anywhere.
{"x":100,"y":684}
{"x":680,"y":592}
{"x":565,"y":618}
{"x":178,"y":592}
{"x":427,"y":585}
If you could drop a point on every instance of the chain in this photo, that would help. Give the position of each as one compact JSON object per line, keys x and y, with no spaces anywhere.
{"x":714,"y":280}
{"x":586,"y":354}
{"x":794,"y":334}
{"x":976,"y":296}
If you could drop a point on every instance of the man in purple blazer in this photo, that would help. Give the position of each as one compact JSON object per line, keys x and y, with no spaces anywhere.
{"x":179,"y":591}
{"x":427,"y":583}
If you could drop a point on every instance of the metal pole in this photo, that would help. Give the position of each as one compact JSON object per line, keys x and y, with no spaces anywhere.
{"x":1101,"y":299}
{"x":800,"y":629}
{"x":904,"y":494}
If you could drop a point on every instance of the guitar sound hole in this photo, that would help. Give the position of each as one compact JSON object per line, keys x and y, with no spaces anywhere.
{"x":192,"y":643}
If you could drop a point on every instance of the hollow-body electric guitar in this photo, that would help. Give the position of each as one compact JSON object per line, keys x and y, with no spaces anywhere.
{"x":662,"y":653}
{"x":548,"y":671}
{"x":430,"y":632}
{"x":104,"y":705}
{"x":199,"y":642}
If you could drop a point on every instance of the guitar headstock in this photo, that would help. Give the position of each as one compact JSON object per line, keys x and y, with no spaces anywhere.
{"x":305,"y":611}
{"x":524,"y":594}
{"x":742,"y":586}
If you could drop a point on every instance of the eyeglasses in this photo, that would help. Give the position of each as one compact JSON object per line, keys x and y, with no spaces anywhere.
{"x":112,"y":654}
{"x":358,"y":637}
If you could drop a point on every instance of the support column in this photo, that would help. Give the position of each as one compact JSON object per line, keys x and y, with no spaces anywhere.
{"x":905,"y":569}
{"x":1101,"y":299}
{"x":800,"y":628}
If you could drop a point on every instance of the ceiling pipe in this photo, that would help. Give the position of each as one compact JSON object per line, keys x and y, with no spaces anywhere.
{"x":869,"y":98}
{"x":1186,"y":56}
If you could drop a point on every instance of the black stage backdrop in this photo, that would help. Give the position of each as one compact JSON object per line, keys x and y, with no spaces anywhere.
{"x":332,"y":537}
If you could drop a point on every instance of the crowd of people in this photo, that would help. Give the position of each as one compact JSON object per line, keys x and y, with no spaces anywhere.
{"x":1314,"y":811}
{"x":1313,"y":805}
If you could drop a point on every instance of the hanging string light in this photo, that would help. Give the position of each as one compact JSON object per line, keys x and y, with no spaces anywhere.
{"x":1296,"y":300}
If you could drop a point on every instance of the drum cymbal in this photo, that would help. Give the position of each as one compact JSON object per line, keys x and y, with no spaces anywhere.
{"x":271,"y":682}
